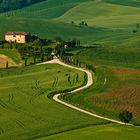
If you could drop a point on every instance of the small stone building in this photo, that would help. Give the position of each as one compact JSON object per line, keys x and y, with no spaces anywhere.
{"x":18,"y":37}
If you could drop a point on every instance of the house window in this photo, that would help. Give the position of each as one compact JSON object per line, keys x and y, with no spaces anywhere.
{"x":14,"y":35}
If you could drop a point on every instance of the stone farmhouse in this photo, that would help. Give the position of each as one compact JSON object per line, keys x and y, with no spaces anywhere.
{"x":18,"y":37}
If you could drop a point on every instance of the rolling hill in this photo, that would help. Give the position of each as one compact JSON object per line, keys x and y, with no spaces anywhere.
{"x":108,"y":21}
{"x":114,"y":26}
{"x":111,"y":23}
{"x":26,"y":110}
{"x":103,"y":14}
{"x":100,"y":133}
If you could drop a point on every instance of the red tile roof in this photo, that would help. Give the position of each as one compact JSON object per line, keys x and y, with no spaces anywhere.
{"x":16,"y":33}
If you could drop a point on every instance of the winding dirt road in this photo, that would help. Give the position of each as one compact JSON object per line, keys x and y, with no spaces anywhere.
{"x":88,"y":84}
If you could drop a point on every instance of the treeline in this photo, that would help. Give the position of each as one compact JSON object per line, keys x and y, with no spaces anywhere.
{"x":71,"y":60}
{"x":38,"y":50}
{"x":7,"y":5}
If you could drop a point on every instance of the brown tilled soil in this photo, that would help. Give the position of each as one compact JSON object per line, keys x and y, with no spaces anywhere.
{"x":123,"y":96}
{"x":124,"y":70}
{"x":4,"y":60}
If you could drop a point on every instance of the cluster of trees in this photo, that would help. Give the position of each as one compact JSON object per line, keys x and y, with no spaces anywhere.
{"x":125,"y":116}
{"x":71,"y":43}
{"x":83,"y":23}
{"x":62,"y":45}
{"x":37,"y":51}
{"x":72,"y":61}
{"x":6,"y":5}
{"x":91,"y":67}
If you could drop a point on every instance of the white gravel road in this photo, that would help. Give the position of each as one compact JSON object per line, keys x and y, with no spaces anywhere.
{"x":88,"y":84}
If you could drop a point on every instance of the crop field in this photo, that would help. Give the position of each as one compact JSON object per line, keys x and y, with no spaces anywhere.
{"x":115,"y":90}
{"x":27,"y":112}
{"x":124,"y":95}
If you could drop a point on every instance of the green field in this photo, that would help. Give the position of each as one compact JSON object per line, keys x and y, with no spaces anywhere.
{"x":50,"y":29}
{"x":114,"y":26}
{"x":27,"y":112}
{"x":102,"y":132}
{"x":115,"y":83}
{"x":111,"y":56}
{"x":50,"y":19}
{"x":97,"y":13}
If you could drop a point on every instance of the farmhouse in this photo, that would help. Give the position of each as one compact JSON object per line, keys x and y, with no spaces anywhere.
{"x":19,"y":37}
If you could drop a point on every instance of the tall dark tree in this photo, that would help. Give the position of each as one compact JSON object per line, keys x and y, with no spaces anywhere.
{"x":7,"y":64}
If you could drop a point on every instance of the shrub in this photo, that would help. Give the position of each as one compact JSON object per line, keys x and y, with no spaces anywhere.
{"x":135,"y":31}
{"x":125,"y":116}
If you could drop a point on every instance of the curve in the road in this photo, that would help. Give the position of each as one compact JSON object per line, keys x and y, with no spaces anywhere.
{"x":88,"y":84}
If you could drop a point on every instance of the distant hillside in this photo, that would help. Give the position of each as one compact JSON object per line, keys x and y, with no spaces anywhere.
{"x":135,"y":3}
{"x":109,"y":22}
{"x":6,"y":5}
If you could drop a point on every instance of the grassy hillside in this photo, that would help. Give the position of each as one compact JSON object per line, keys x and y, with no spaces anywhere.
{"x":47,"y":9}
{"x":103,"y":14}
{"x":87,"y":35}
{"x":135,"y":3}
{"x":99,"y":132}
{"x":51,"y":29}
{"x":112,"y":24}
{"x":108,"y":22}
{"x":111,"y":56}
{"x":26,"y":111}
